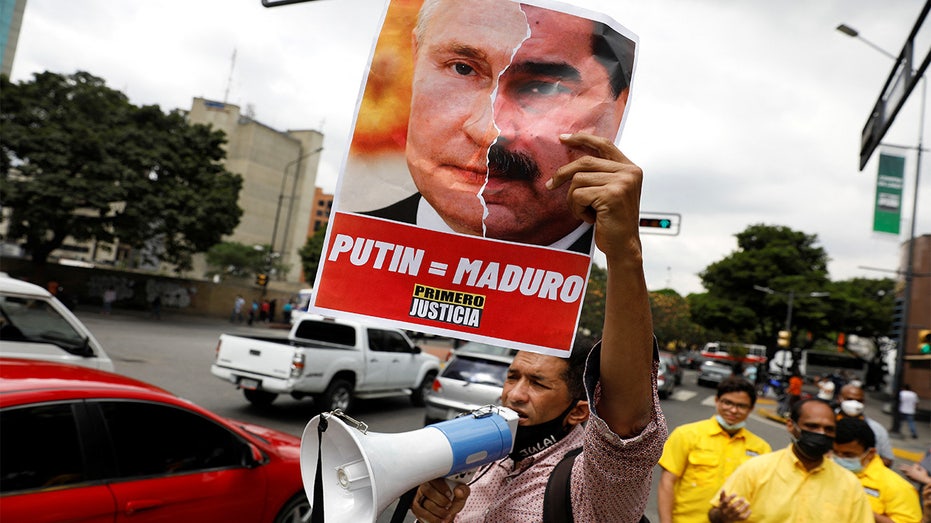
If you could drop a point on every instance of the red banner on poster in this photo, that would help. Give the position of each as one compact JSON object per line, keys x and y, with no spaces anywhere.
{"x":453,"y":283}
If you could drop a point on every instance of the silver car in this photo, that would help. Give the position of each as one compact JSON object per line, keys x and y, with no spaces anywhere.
{"x":711,"y":373}
{"x":472,"y":378}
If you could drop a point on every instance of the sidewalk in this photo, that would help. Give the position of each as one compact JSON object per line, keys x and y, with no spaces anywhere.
{"x":905,"y":448}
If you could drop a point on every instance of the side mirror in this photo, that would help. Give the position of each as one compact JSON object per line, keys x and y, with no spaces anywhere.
{"x":252,"y":456}
{"x":417,"y":349}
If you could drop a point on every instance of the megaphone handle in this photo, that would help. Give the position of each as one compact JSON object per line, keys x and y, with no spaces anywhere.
{"x":316,"y":515}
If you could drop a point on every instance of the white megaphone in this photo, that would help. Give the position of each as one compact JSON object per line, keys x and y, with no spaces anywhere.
{"x":363,"y":472}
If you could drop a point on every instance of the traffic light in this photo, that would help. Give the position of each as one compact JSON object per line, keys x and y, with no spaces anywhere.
{"x":659,"y":223}
{"x":784,"y":339}
{"x":924,"y":341}
{"x":261,"y":279}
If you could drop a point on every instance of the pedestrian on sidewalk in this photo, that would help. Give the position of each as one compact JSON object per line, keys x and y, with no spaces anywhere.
{"x":157,"y":307}
{"x":908,"y":401}
{"x":236,"y":316}
{"x":109,"y":296}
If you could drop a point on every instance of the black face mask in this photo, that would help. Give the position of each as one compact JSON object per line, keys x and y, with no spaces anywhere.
{"x":531,"y":439}
{"x":813,"y":445}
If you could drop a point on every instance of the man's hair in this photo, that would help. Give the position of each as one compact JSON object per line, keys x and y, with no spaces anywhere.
{"x":855,"y":429}
{"x":574,"y":375}
{"x":614,"y":51}
{"x":737,"y":384}
{"x":797,"y":408}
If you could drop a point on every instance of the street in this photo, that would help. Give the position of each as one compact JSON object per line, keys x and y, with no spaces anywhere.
{"x":175,"y":353}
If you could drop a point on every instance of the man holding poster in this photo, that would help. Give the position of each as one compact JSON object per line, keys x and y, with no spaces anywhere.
{"x":484,"y":249}
{"x":622,"y":441}
{"x":494,"y":82}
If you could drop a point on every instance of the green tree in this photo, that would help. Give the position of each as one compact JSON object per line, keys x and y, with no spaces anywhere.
{"x":592,"y":319}
{"x":776,"y":257}
{"x":79,"y":160}
{"x":862,"y":306}
{"x":310,"y":253}
{"x":672,"y":320}
{"x":236,"y":260}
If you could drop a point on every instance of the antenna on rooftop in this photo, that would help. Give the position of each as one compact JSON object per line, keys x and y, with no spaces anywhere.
{"x":230,"y":79}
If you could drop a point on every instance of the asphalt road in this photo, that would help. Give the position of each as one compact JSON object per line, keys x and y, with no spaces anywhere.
{"x":176,"y":352}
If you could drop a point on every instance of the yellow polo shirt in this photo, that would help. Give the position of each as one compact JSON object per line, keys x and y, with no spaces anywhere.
{"x":779,"y":489}
{"x":702,"y":455}
{"x":890,"y":494}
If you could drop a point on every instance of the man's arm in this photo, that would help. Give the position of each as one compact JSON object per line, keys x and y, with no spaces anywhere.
{"x":664,"y":495}
{"x":605,"y":190}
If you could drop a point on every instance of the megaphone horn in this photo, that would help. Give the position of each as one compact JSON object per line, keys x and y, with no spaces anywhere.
{"x":363,"y":472}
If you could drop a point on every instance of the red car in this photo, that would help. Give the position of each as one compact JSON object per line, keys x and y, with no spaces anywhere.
{"x":79,"y":444}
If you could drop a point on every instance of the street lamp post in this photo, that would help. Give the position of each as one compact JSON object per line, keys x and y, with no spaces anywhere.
{"x":284,"y":177}
{"x":910,"y":246}
{"x":791,"y":300}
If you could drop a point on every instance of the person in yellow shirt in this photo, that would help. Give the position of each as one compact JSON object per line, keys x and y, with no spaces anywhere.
{"x":795,"y":484}
{"x":892,"y":498}
{"x":698,"y":456}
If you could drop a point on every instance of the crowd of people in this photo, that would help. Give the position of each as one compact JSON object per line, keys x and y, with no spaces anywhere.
{"x":261,"y":311}
{"x":839,"y":466}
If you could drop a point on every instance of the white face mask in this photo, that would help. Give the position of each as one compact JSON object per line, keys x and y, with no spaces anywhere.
{"x":727,"y":426}
{"x":851,"y":408}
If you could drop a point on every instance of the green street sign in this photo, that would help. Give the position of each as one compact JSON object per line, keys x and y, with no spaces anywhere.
{"x":887,"y":211}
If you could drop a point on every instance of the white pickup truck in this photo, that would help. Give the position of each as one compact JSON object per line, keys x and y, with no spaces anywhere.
{"x":331,"y":360}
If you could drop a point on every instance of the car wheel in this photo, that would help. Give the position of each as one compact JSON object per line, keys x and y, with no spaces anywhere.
{"x":421,"y":392}
{"x":296,"y":510}
{"x":259,"y":398}
{"x":337,"y":396}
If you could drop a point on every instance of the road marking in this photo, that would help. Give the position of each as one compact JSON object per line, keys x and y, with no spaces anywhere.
{"x":709,"y":401}
{"x":683,"y":395}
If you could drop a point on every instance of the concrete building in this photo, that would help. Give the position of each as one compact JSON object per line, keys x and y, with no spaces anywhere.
{"x":279,"y":171}
{"x":916,"y":370}
{"x":320,"y":211}
{"x":11,"y":19}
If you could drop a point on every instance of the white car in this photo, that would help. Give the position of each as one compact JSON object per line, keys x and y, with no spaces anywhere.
{"x":35,"y":325}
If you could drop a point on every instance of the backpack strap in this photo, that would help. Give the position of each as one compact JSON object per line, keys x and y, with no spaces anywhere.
{"x":557,"y":502}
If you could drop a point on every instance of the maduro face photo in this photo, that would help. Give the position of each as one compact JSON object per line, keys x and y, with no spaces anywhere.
{"x":494,"y":83}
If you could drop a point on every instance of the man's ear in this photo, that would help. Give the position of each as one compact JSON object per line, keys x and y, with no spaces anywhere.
{"x":578,"y":414}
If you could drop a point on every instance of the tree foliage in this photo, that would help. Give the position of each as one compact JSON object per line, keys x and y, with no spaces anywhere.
{"x":672,"y":320}
{"x":310,"y":253}
{"x":79,"y":160}
{"x":236,"y":260}
{"x":592,"y":318}
{"x":775,"y":257}
{"x":862,"y":306}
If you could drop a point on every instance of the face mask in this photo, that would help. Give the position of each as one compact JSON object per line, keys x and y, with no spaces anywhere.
{"x":852,"y":408}
{"x":531,"y":439}
{"x":813,"y":445}
{"x":852,"y":464}
{"x":727,"y":426}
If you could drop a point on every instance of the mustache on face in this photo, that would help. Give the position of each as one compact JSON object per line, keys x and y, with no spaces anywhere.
{"x":511,"y":164}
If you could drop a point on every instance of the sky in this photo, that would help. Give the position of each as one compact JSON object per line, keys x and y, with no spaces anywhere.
{"x":741,"y":113}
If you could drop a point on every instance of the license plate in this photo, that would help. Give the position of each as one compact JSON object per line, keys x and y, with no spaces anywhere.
{"x":246,"y":383}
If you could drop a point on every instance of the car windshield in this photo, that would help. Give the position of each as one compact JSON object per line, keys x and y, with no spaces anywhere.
{"x":476,"y":370}
{"x":36,"y":321}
